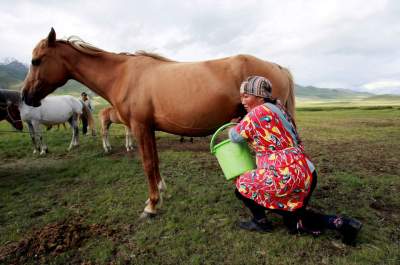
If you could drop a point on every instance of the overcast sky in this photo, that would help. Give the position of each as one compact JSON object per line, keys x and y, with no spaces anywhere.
{"x":330,"y":43}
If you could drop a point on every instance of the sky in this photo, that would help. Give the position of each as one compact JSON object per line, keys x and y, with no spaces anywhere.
{"x":352,"y":44}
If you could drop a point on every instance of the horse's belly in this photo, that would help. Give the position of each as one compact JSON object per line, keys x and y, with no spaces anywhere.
{"x":194,"y":123}
{"x":50,"y":119}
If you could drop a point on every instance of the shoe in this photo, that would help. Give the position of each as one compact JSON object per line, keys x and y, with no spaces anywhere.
{"x":291,"y":224}
{"x":262,"y":226}
{"x":349,"y":230}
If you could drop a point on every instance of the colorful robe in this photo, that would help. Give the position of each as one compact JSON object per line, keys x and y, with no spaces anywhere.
{"x":283,"y":176}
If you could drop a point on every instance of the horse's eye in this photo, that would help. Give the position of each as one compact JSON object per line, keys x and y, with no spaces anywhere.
{"x":35,"y":62}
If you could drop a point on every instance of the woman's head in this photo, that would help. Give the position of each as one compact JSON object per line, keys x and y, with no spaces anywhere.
{"x":254,"y":91}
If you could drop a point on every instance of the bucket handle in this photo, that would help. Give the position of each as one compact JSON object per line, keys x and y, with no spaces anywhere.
{"x":217,"y":132}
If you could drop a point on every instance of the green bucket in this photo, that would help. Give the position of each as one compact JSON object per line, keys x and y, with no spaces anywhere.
{"x":234,"y":158}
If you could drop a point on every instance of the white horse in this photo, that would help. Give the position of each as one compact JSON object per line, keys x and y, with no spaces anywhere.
{"x":54,"y":110}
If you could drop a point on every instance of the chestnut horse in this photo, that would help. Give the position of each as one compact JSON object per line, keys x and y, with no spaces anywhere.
{"x":152,"y":93}
{"x":107,"y":116}
{"x":9,"y":102}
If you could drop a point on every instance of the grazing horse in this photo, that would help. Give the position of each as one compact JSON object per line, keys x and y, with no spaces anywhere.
{"x":54,"y":110}
{"x":107,"y":116}
{"x":9,"y":102}
{"x":152,"y":93}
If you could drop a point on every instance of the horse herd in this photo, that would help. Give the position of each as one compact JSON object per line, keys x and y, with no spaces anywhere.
{"x":56,"y":110}
{"x":150,"y":93}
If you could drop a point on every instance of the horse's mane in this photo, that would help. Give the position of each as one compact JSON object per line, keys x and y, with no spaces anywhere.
{"x":13,"y":96}
{"x":152,"y":55}
{"x":84,"y":47}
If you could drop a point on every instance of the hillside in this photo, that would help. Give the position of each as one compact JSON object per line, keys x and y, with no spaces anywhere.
{"x":13,"y":74}
{"x":315,"y":93}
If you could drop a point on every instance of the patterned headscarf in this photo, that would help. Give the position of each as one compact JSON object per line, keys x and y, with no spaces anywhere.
{"x":258,"y":86}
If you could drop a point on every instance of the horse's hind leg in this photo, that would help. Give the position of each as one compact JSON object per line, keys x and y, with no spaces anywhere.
{"x":162,"y":187}
{"x":105,"y":127}
{"x":73,"y":121}
{"x":147,"y":145}
{"x":128,"y":139}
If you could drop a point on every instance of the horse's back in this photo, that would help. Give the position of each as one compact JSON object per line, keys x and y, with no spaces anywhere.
{"x":9,"y":95}
{"x":110,"y":114}
{"x":200,"y":96}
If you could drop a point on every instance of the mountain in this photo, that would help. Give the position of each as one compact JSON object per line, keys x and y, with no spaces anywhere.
{"x":315,"y":93}
{"x":13,"y":73}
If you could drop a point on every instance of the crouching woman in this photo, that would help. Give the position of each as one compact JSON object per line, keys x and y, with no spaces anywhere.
{"x":285,"y":177}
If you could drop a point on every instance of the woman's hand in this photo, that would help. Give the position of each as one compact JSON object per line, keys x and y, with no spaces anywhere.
{"x":236,"y":120}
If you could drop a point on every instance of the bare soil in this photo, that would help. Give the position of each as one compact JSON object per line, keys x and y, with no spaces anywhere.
{"x":50,"y":240}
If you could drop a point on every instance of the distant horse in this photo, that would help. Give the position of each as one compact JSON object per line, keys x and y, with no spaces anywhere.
{"x":54,"y":110}
{"x":9,"y":102}
{"x":182,"y":139}
{"x":107,"y":116}
{"x":152,"y":93}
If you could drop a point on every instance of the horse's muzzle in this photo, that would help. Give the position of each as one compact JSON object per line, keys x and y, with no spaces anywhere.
{"x":28,"y":99}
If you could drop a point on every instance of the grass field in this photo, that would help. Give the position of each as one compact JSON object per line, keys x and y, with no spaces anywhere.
{"x":83,"y":207}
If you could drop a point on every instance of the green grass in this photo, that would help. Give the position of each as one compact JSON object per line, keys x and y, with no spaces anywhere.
{"x":356,"y":152}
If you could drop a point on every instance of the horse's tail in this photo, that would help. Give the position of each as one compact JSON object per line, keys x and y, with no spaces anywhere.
{"x":88,"y":114}
{"x":291,"y":101}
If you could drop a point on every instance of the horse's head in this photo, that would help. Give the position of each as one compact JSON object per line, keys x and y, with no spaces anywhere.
{"x":47,"y":71}
{"x":10,"y":112}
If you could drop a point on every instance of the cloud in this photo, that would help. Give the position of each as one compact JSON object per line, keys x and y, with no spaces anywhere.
{"x":383,"y":86}
{"x":332,"y":43}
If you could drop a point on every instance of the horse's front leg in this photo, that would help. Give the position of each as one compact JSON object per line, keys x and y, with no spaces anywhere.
{"x":40,"y":143}
{"x":36,"y":147}
{"x":73,"y":121}
{"x":128,"y":139}
{"x":147,"y":145}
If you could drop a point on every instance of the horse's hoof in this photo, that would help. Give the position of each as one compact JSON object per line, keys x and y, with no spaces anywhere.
{"x":146,"y":215}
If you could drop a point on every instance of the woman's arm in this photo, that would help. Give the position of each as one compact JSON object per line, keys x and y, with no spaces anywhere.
{"x":235,"y":136}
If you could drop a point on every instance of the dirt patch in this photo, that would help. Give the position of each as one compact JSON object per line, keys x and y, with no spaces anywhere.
{"x":385,"y":210}
{"x":354,"y":156}
{"x":51,"y":240}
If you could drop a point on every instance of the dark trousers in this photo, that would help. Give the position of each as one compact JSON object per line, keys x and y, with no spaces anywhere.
{"x":84,"y":124}
{"x":289,"y":218}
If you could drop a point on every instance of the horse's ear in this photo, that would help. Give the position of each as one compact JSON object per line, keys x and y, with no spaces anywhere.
{"x":51,"y":39}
